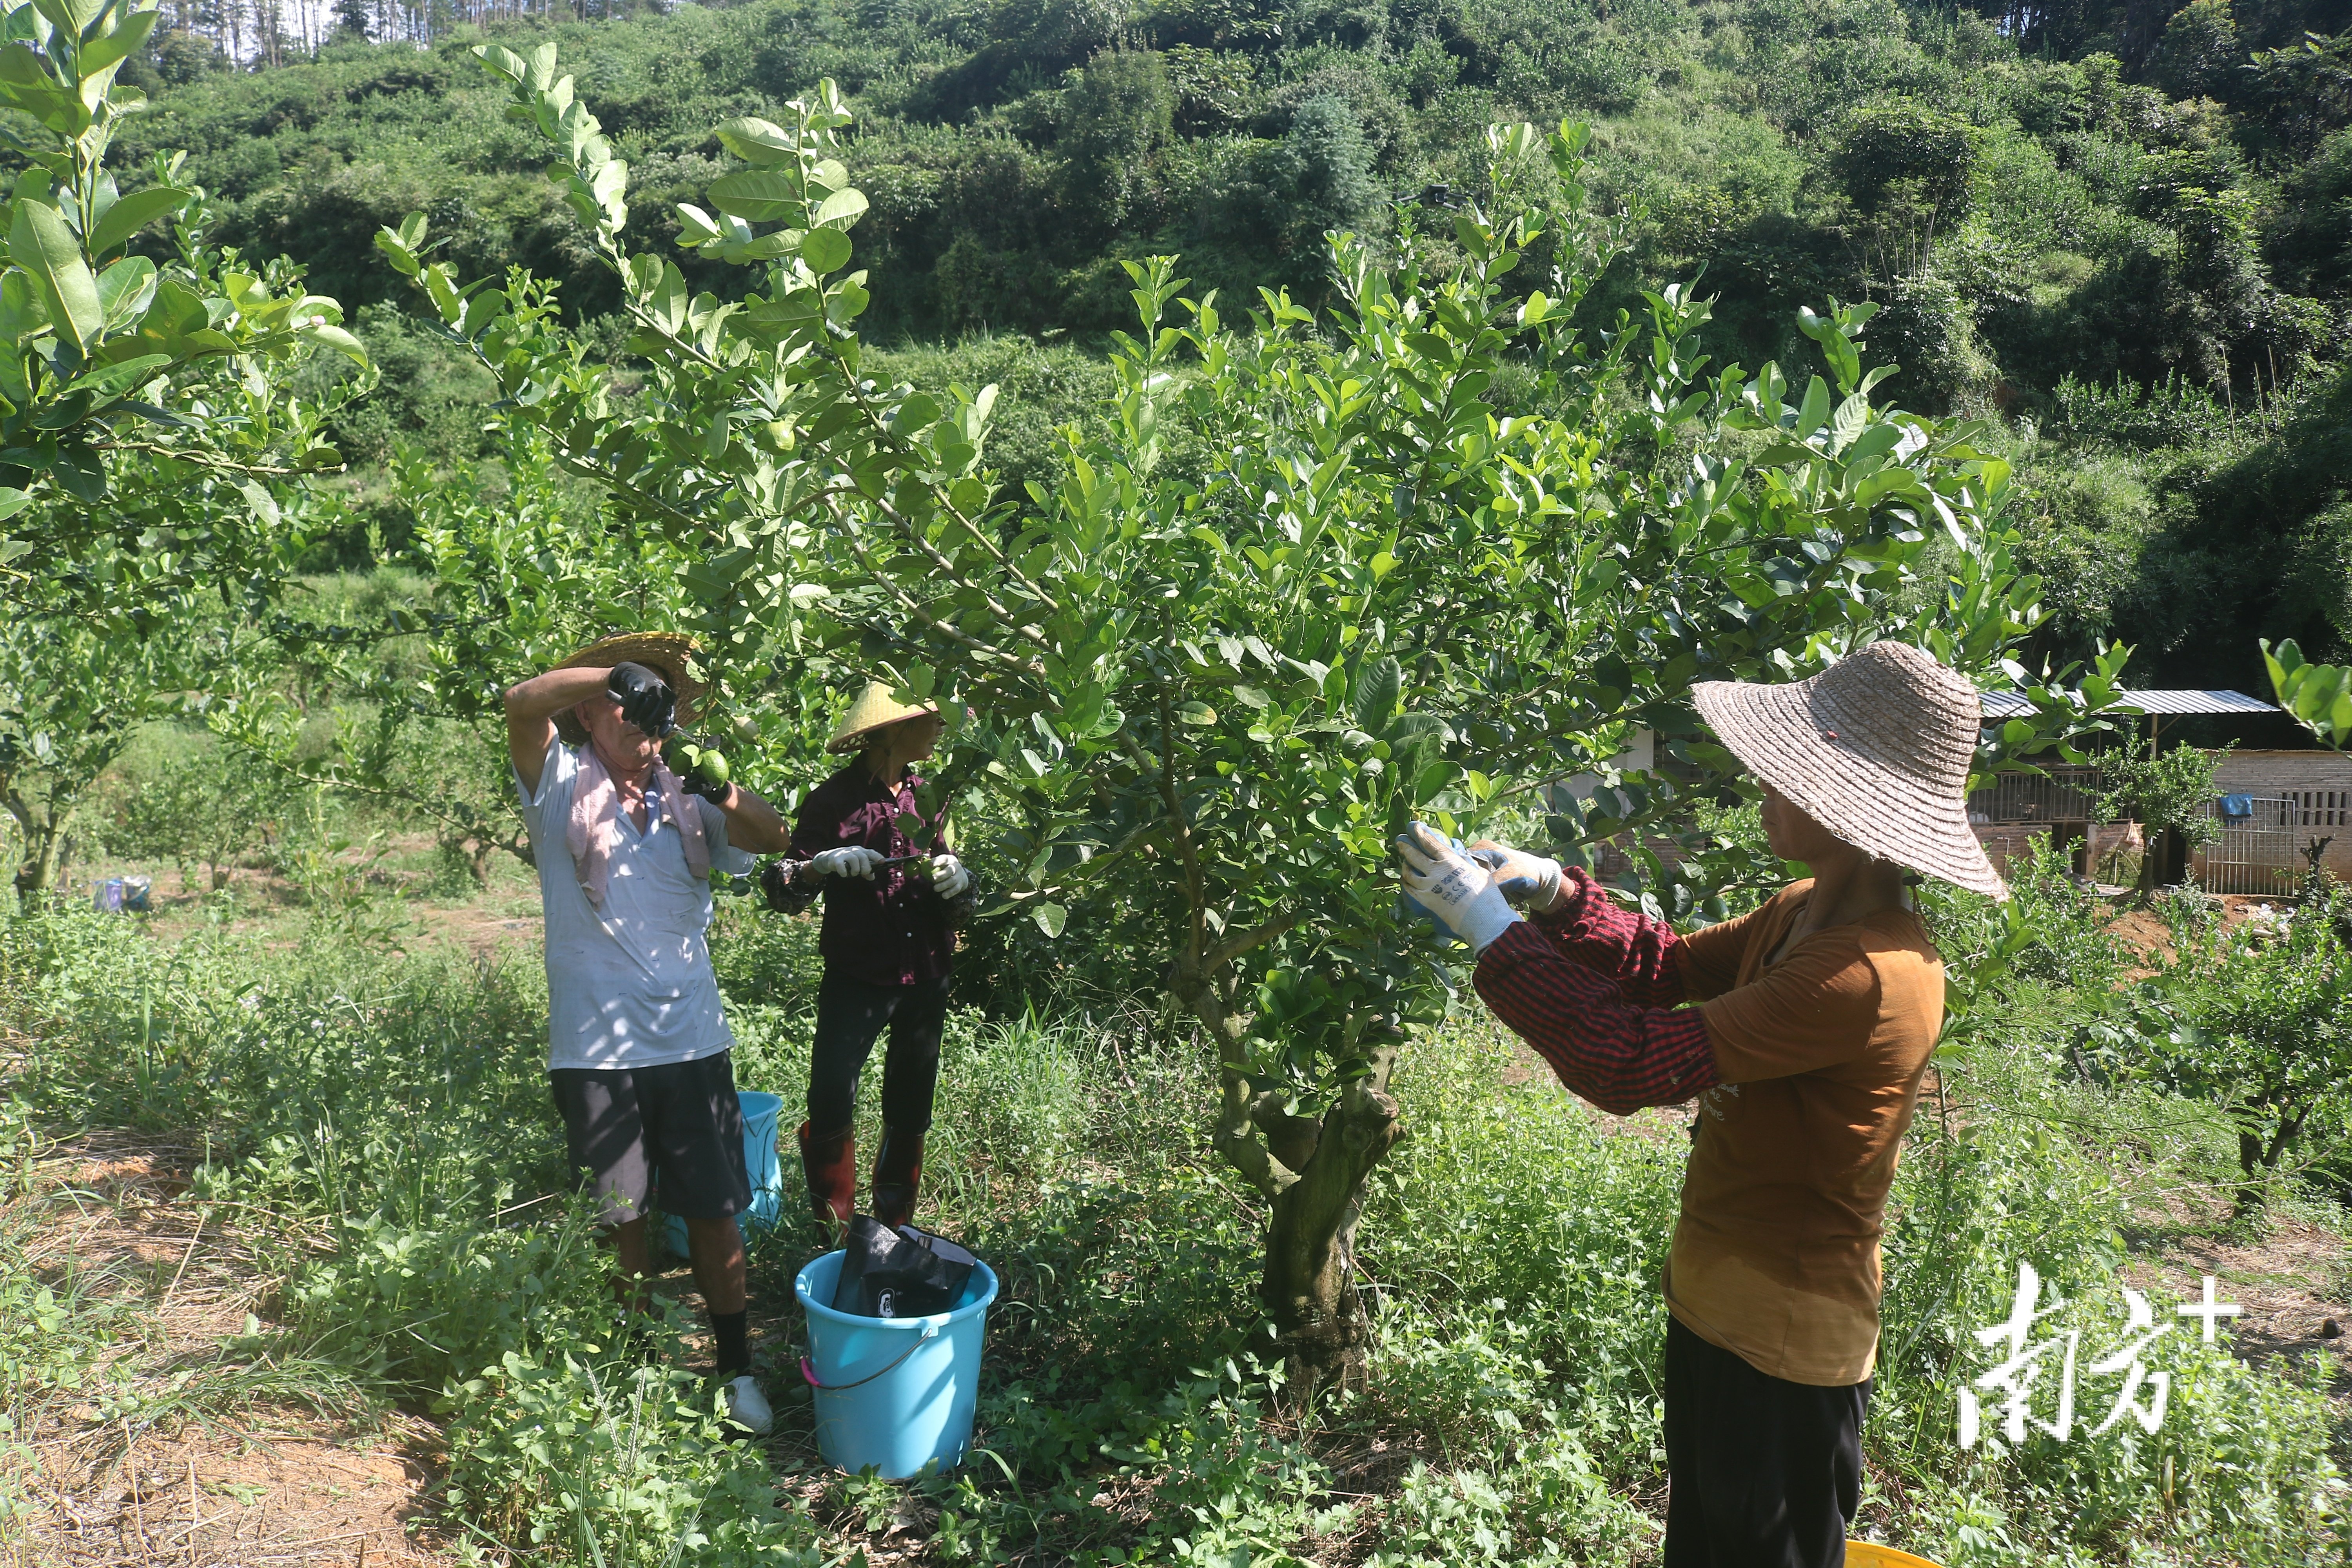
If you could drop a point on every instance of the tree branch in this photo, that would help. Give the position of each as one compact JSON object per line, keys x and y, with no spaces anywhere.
{"x":1234,"y":946}
{"x":953,"y":632}
{"x":1196,"y":897}
{"x":206,"y":461}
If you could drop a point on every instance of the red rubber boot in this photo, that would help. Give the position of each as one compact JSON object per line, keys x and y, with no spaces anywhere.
{"x":898,"y":1174}
{"x":831,"y":1166}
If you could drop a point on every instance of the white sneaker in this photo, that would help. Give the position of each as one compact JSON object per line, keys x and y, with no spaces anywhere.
{"x":747,"y":1407}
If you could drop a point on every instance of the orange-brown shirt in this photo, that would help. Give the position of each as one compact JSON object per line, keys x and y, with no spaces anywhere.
{"x":1776,"y":1255}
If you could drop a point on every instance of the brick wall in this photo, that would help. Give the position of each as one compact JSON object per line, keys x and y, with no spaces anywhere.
{"x":2007,"y":841}
{"x":2320,"y":782}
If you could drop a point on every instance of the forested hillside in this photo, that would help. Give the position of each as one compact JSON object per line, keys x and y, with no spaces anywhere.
{"x":2126,"y":230}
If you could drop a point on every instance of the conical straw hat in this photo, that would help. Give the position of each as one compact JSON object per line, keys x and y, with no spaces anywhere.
{"x":1875,"y":748}
{"x":874,"y":709}
{"x":665,"y":653}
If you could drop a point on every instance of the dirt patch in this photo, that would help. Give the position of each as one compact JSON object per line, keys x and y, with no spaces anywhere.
{"x":2290,"y":1285}
{"x":480,"y":930}
{"x":212,"y":1466}
{"x":245,"y":1498}
{"x":2143,"y":932}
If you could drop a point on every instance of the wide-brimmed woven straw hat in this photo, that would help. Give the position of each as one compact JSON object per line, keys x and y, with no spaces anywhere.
{"x":1875,"y":748}
{"x":874,"y":710}
{"x":668,"y":653}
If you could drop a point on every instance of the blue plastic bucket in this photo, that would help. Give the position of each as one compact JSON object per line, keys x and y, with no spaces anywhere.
{"x":760,"y":1115}
{"x":893,"y":1392}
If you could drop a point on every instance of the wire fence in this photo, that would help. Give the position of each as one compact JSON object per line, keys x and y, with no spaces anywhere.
{"x":2063,"y":794}
{"x":2256,"y":848}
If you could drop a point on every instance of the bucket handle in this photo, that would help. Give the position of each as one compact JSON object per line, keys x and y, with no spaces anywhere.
{"x":931,"y":1331}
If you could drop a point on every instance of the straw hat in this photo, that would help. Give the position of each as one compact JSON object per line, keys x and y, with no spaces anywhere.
{"x":874,"y":709}
{"x":665,"y":652}
{"x":1875,"y":748}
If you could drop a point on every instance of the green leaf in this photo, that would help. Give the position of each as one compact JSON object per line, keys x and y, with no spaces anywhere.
{"x":69,"y":15}
{"x":125,"y":290}
{"x":109,"y":381}
{"x":257,"y":496}
{"x":1816,"y":411}
{"x":1197,"y":714}
{"x":21,"y":309}
{"x":12,"y":502}
{"x":1379,"y":684}
{"x":840,"y":210}
{"x":1852,"y":415}
{"x":45,"y":248}
{"x":826,"y":250}
{"x":500,"y":61}
{"x":341,"y":342}
{"x":758,"y":195}
{"x":668,"y":302}
{"x":133,"y":213}
{"x":129,"y":35}
{"x":756,"y":141}
{"x":1050,"y":918}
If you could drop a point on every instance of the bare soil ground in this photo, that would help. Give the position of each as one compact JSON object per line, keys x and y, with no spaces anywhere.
{"x":231,"y":1481}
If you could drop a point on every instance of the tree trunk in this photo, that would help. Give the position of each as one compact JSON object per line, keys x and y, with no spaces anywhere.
{"x":45,"y":844}
{"x":1310,"y":1289}
{"x":1312,"y":1175}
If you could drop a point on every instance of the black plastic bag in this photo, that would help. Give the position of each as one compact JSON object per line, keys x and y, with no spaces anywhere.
{"x":901,"y":1273}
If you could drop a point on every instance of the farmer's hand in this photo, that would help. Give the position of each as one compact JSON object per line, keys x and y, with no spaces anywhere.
{"x":698,"y":782}
{"x":1453,"y":887}
{"x":853,"y":860}
{"x":1528,"y":881}
{"x":949,"y":877}
{"x":645,"y":699}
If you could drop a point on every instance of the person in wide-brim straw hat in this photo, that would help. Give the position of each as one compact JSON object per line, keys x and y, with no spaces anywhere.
{"x":894,"y":893}
{"x":639,"y":1055}
{"x":669,"y":655}
{"x":1803,"y":1030}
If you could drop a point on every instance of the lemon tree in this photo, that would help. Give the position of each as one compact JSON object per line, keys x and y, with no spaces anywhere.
{"x":1314,"y":574}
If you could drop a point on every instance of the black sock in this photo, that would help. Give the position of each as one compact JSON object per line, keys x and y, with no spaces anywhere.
{"x":734,"y":1345}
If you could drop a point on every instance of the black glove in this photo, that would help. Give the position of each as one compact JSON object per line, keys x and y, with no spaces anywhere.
{"x":788,"y":892}
{"x":697,"y":781}
{"x":645,"y":699}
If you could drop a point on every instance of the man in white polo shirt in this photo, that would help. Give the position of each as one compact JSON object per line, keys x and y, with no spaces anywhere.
{"x":638,"y":1049}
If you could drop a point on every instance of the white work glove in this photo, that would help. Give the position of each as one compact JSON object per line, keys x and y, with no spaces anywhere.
{"x":1453,"y":887}
{"x":853,"y":861}
{"x":949,"y":877}
{"x":1528,"y":881}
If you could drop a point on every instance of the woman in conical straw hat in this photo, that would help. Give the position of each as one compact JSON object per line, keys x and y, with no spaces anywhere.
{"x":1803,"y":1030}
{"x":894,"y":893}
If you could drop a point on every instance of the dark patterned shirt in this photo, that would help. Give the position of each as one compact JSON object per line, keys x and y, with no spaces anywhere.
{"x":892,"y":929}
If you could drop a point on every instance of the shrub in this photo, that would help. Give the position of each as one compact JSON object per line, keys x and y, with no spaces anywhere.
{"x":2261,"y":1025}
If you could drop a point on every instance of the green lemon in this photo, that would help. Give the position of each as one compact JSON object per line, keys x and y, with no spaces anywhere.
{"x":714,"y":766}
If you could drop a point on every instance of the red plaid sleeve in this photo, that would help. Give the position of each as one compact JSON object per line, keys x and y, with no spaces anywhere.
{"x":1619,"y":1055}
{"x":1640,"y":953}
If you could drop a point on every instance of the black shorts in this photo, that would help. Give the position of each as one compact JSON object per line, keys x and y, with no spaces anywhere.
{"x":681,"y":1121}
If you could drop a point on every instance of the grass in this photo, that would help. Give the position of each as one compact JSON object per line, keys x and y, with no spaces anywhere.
{"x":375,"y":1146}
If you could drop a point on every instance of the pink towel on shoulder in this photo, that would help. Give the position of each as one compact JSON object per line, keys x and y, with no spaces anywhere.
{"x":594,"y":826}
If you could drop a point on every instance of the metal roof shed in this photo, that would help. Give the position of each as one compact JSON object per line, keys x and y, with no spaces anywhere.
{"x":2158,"y":705}
{"x":2165,"y":704}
